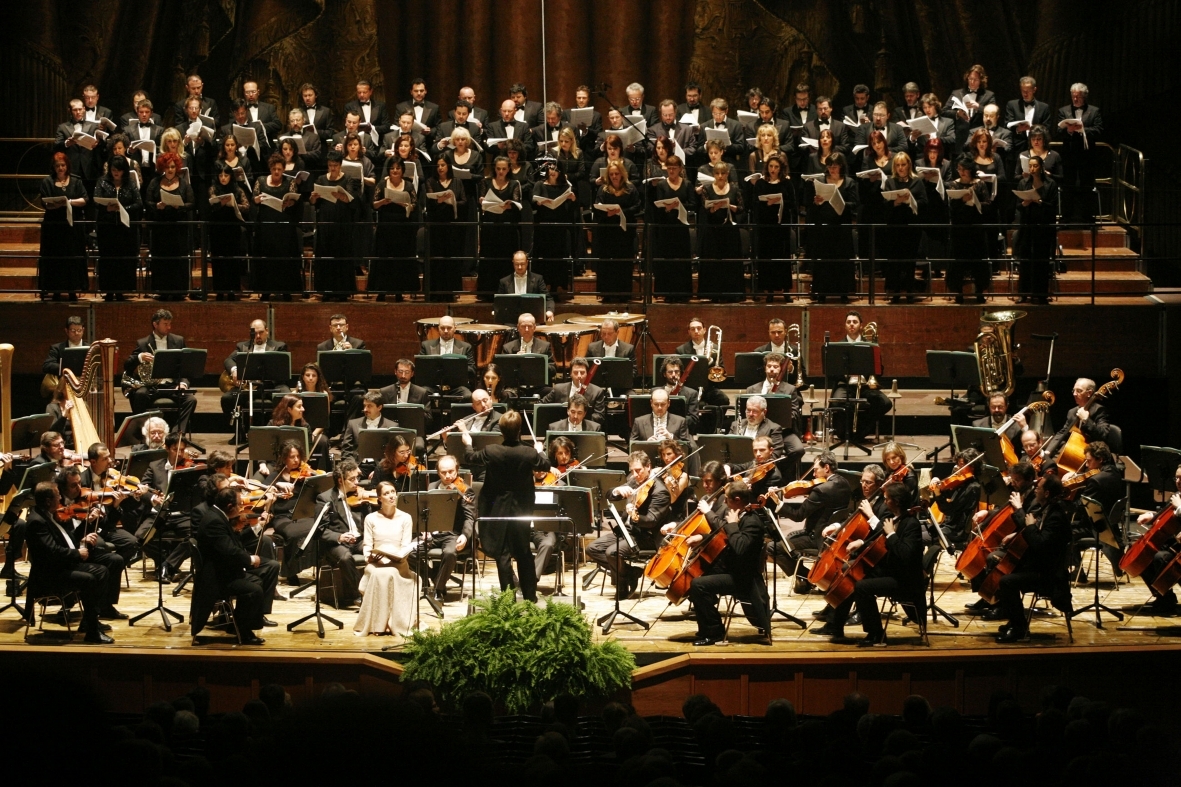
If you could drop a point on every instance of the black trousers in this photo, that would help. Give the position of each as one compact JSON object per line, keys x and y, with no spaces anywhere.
{"x":292,"y":533}
{"x":517,"y":536}
{"x":178,"y":528}
{"x":268,"y":574}
{"x":122,"y":541}
{"x":445,"y":543}
{"x":706,"y":591}
{"x":141,"y":401}
{"x":1008,"y":595}
{"x":1149,"y":574}
{"x":865,"y":597}
{"x":341,"y":556}
{"x":877,"y":405}
{"x":248,"y":593}
{"x":91,"y":581}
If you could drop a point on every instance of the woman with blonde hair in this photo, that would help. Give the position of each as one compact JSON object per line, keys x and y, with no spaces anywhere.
{"x":899,"y":241}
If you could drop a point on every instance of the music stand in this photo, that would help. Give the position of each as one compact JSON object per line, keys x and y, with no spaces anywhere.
{"x":74,"y":359}
{"x":951,"y":370}
{"x":309,"y":489}
{"x":314,"y":538}
{"x":139,"y":461}
{"x":524,"y":370}
{"x":131,"y":431}
{"x":32,"y":476}
{"x":346,"y":366}
{"x":430,"y":512}
{"x":25,"y":433}
{"x":371,"y":443}
{"x":652,"y":449}
{"x":264,"y":441}
{"x":748,"y":369}
{"x":698,"y":375}
{"x":184,"y":364}
{"x":600,"y":483}
{"x":586,"y":444}
{"x":441,"y":372}
{"x":841,"y":360}
{"x":480,"y":441}
{"x":509,"y":308}
{"x":983,"y":439}
{"x":407,"y":416}
{"x":1159,"y":464}
{"x":575,"y":518}
{"x":181,"y":484}
{"x":781,"y":409}
{"x":315,"y":409}
{"x":263,"y":367}
{"x":726,"y":449}
{"x":615,"y":375}
{"x":619,"y":529}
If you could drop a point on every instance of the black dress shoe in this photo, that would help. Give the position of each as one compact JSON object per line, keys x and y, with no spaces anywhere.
{"x":992,"y":613}
{"x":854,"y":619}
{"x":268,"y":623}
{"x":110,"y":613}
{"x":829,"y":630}
{"x":703,"y":642}
{"x":978,"y":606}
{"x":878,"y":641}
{"x":85,"y":627}
{"x":252,"y":639}
{"x":98,"y":638}
{"x":822,"y":614}
{"x":1012,"y":635}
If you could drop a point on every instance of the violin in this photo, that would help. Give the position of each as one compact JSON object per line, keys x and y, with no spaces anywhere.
{"x":304,"y":471}
{"x":411,"y":465}
{"x":360,"y":497}
{"x":953,"y":481}
{"x":757,"y":473}
{"x":1073,"y":484}
{"x":546,"y":478}
{"x":79,"y":509}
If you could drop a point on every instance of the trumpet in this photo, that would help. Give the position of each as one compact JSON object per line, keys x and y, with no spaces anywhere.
{"x":793,"y":350}
{"x":713,"y":354}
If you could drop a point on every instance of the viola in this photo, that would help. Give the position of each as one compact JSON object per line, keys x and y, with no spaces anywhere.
{"x":755,"y":474}
{"x":1073,"y":484}
{"x":953,"y":481}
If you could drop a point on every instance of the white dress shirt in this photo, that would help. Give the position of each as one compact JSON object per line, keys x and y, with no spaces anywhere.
{"x":520,"y":284}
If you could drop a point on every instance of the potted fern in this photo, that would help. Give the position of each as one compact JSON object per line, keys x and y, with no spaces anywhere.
{"x":520,"y":654}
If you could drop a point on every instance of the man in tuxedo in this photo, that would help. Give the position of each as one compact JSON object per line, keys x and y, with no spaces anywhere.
{"x":975,"y":95}
{"x":911,"y":107}
{"x":1079,"y":145}
{"x":477,"y":115}
{"x":524,"y":282}
{"x":879,"y":404}
{"x":507,"y":127}
{"x":756,"y":424}
{"x":426,"y":113}
{"x":89,"y":529}
{"x":692,"y":105}
{"x":58,"y":562}
{"x":340,"y":341}
{"x":373,"y":114}
{"x":94,"y":112}
{"x":200,"y":149}
{"x":343,"y":530}
{"x":236,"y":572}
{"x":586,"y":133}
{"x":260,"y":341}
{"x":827,"y":502}
{"x":777,"y":338}
{"x":775,"y":382}
{"x":636,"y":108}
{"x":671,"y":372}
{"x":1027,"y":112}
{"x":609,"y":345}
{"x":739,"y":573}
{"x":450,"y":542}
{"x":528,"y":342}
{"x":315,"y":113}
{"x":531,"y":113}
{"x":642,"y":521}
{"x":1090,"y":417}
{"x":371,"y":419}
{"x":594,"y":395}
{"x":75,"y":333}
{"x":260,"y":111}
{"x":403,"y":391}
{"x":575,"y":420}
{"x":719,"y":120}
{"x":683,"y":135}
{"x":842,"y":135}
{"x":944,"y":130}
{"x":53,"y":448}
{"x":998,"y":413}
{"x":660,"y":424}
{"x":899,"y":574}
{"x":711,"y":393}
{"x":801,"y":110}
{"x":352,"y":125}
{"x":447,"y":344}
{"x":127,"y":117}
{"x":508,"y":492}
{"x":545,"y":135}
{"x":84,"y":163}
{"x":176,"y":522}
{"x":194,"y":87}
{"x":144,"y":128}
{"x":118,"y":523}
{"x":1002,"y":138}
{"x":859,"y":111}
{"x":461,"y":115}
{"x":141,"y":398}
{"x":895,"y":139}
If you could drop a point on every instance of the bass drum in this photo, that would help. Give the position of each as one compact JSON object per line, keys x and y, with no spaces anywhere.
{"x":428,"y":327}
{"x":485,"y":338}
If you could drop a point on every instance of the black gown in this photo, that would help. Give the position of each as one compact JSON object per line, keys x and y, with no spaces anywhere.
{"x":830,"y":241}
{"x":172,"y":241}
{"x":118,"y":246}
{"x":395,"y":268}
{"x":968,"y":239}
{"x":336,"y":227}
{"x":720,"y":275}
{"x":615,"y":247}
{"x":1036,"y":242}
{"x":935,"y":213}
{"x":553,"y":234}
{"x":62,"y":263}
{"x":225,"y":237}
{"x":500,"y":237}
{"x":993,"y":214}
{"x":898,"y":241}
{"x":277,"y":263}
{"x":772,"y":235}
{"x":672,"y":248}
{"x":446,"y":244}
{"x":470,"y":210}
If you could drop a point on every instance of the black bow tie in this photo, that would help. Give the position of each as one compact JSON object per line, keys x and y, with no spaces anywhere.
{"x":418,"y":104}
{"x":363,"y":103}
{"x":1028,"y":104}
{"x":252,"y":106}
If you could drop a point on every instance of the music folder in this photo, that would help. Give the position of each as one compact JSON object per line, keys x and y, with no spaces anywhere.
{"x":263,"y":367}
{"x":346,"y":366}
{"x":181,"y":364}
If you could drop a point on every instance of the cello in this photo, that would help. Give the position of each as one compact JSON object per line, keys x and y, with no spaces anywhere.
{"x":1071,"y":459}
{"x":1160,"y":536}
{"x":675,"y":565}
{"x":974,"y":559}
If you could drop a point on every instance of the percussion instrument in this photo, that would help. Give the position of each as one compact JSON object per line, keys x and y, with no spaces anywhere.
{"x":629,"y":324}
{"x":428,"y":327}
{"x":485,"y":338}
{"x":568,"y":342}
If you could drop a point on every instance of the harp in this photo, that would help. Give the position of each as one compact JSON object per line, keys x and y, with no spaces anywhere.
{"x":93,"y":395}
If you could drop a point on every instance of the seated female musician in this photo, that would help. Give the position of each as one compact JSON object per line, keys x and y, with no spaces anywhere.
{"x":289,"y":412}
{"x":288,"y":531}
{"x":1163,"y":605}
{"x":743,"y":577}
{"x":388,"y":586}
{"x":311,"y":379}
{"x":959,"y":502}
{"x":492,"y":382}
{"x":398,"y":466}
{"x":894,"y":458}
{"x":1043,"y":565}
{"x":561,"y":456}
{"x":899,"y":574}
{"x":1102,"y":482}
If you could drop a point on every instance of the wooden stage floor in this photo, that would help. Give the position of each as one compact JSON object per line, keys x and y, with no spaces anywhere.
{"x":671,"y":634}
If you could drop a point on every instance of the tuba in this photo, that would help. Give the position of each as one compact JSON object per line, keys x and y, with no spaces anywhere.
{"x":996,"y":352}
{"x":713,"y":354}
{"x":870,"y":334}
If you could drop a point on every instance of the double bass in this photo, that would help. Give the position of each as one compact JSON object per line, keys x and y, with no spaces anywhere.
{"x":1041,"y":406}
{"x":1072,"y":457}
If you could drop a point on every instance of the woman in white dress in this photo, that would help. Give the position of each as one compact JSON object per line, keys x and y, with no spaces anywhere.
{"x":388,"y":586}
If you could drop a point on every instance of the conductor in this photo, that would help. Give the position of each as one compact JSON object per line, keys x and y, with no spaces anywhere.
{"x":508,"y":491}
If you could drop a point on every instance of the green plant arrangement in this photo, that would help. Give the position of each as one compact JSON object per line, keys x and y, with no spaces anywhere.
{"x":520,"y":654}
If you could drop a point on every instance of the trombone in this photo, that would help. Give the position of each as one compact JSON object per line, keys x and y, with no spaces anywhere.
{"x":713,"y":354}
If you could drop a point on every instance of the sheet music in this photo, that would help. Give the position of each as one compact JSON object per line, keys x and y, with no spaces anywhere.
{"x":622,"y":216}
{"x":832,"y":195}
{"x":682,"y":214}
{"x":773,"y":199}
{"x":890,"y":196}
{"x":124,"y":216}
{"x":554,"y":203}
{"x":448,"y":197}
{"x":954,"y":194}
